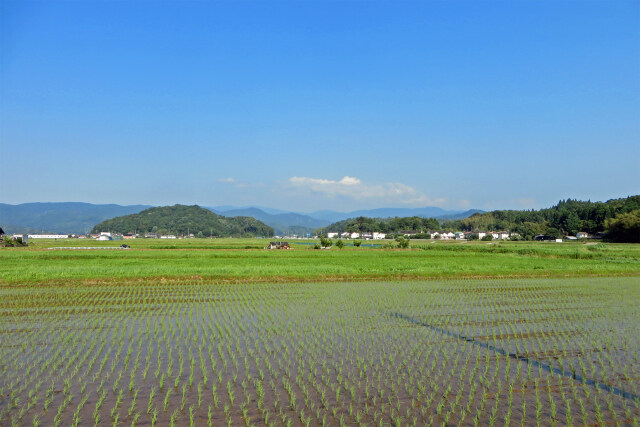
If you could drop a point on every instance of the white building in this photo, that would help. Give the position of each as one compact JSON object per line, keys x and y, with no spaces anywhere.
{"x":355,"y":235}
{"x":332,"y":235}
{"x":105,"y":236}
{"x":48,"y":236}
{"x":23,"y":237}
{"x":378,"y":236}
{"x":168,"y":236}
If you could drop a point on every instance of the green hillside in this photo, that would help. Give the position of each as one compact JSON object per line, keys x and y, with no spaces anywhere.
{"x":181,"y":220}
{"x":618,"y":218}
{"x":382,"y":225}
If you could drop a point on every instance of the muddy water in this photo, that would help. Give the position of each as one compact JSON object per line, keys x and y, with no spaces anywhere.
{"x":314,"y":354}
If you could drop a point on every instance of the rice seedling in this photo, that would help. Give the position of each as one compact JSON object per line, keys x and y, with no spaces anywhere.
{"x":481,"y":352}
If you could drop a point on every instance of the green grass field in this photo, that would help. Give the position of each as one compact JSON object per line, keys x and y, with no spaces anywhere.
{"x":245,"y":260}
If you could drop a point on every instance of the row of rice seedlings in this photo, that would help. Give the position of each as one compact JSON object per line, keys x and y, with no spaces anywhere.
{"x":316,"y":354}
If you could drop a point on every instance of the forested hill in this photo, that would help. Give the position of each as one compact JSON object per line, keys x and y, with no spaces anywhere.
{"x":180,"y":220}
{"x":619,"y":218}
{"x":383,"y":225}
{"x":568,"y":217}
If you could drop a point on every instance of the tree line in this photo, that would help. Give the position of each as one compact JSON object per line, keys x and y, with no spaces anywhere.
{"x":617,"y":219}
{"x":566,"y":218}
{"x":361,"y":224}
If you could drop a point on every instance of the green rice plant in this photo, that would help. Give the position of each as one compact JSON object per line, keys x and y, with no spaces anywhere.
{"x":173,"y":418}
{"x":230,"y":393}
{"x":288,"y":342}
{"x":132,"y":407}
{"x":135,"y":419}
{"x":183,"y":400}
{"x":166,"y":400}
{"x":152,"y":393}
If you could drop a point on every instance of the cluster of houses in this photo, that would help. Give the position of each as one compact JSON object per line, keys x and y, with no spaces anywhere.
{"x":100,"y":236}
{"x":127,"y":236}
{"x":442,"y":235}
{"x":459,"y":235}
{"x":497,"y":235}
{"x":49,"y":236}
{"x":365,"y":236}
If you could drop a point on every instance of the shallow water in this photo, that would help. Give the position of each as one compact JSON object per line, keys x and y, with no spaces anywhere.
{"x":332,"y":354}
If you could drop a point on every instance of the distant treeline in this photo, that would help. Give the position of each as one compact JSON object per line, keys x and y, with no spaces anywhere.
{"x":183,"y":220}
{"x":619,"y":218}
{"x":382,"y":225}
{"x":568,"y":217}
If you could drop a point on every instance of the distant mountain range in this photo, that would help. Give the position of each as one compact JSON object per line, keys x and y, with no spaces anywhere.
{"x":66,"y":217}
{"x":282,"y":223}
{"x":297,"y":223}
{"x":460,"y":215}
{"x":426,"y":212}
{"x":79,"y":218}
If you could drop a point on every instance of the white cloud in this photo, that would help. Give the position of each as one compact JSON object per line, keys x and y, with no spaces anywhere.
{"x":240,"y":184}
{"x":354,"y":188}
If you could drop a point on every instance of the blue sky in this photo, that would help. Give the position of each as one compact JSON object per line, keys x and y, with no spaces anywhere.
{"x":320,"y":105}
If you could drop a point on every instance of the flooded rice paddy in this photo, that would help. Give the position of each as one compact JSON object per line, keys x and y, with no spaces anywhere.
{"x":472,"y":352}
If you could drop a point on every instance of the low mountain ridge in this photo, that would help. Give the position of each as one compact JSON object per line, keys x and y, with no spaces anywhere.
{"x":60,"y":217}
{"x":425,"y":212}
{"x":80,"y":218}
{"x":283,"y":223}
{"x":182,"y":220}
{"x":461,"y":215}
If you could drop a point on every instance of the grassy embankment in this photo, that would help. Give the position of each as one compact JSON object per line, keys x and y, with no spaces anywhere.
{"x":245,"y":260}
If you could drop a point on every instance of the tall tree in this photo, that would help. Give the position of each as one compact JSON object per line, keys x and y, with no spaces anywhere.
{"x":624,"y":227}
